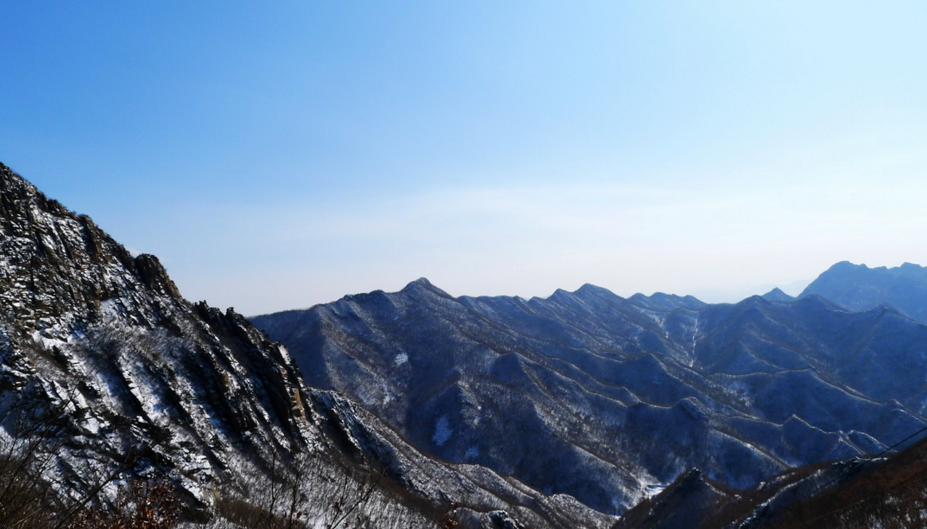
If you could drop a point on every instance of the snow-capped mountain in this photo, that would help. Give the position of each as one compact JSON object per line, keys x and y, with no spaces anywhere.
{"x":138,"y":381}
{"x":611,"y":399}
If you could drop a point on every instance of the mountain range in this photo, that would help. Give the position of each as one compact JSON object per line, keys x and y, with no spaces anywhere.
{"x":610,"y":399}
{"x":420,"y":409}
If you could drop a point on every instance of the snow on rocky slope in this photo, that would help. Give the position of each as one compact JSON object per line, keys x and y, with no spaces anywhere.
{"x":605,"y":398}
{"x":139,"y":380}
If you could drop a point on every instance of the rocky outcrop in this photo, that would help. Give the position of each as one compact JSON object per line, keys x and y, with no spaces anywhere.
{"x":107,"y":338}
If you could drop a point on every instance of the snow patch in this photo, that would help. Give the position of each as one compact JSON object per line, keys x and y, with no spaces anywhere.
{"x":443,"y":431}
{"x":653,"y":489}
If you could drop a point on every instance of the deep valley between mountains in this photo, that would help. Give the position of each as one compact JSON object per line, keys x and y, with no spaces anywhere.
{"x":419,"y":409}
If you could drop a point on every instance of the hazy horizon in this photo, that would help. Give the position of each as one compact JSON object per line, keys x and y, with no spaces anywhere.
{"x":281,"y":155}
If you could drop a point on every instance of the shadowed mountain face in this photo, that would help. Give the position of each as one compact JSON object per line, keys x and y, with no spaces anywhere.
{"x":885,"y":491}
{"x":138,"y":379}
{"x":858,"y":288}
{"x":608,"y":399}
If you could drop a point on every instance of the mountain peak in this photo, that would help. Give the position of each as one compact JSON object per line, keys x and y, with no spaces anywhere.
{"x":17,"y":195}
{"x":847,"y":264}
{"x":588,"y":289}
{"x":777,"y":294}
{"x":9,"y":180}
{"x":858,"y":288}
{"x":422,"y":284}
{"x":80,"y":316}
{"x":662,"y":301}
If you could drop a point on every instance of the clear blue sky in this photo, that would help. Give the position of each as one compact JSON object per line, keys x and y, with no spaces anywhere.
{"x":280,"y":154}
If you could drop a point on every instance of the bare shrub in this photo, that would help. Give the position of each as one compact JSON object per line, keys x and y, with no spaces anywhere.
{"x":27,"y":453}
{"x":140,"y":504}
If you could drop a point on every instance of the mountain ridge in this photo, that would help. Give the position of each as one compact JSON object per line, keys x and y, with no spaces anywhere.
{"x":754,"y":381}
{"x":859,"y":287}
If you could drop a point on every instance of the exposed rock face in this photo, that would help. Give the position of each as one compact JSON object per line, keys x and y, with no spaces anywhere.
{"x":859,"y":288}
{"x":91,"y":329}
{"x":143,"y":377}
{"x":604,"y":398}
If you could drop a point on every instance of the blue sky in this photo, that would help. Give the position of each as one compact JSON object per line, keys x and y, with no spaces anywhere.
{"x":280,"y":154}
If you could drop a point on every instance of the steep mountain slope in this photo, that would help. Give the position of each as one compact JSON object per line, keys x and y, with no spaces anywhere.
{"x":608,"y":399}
{"x":103,"y":361}
{"x":859,"y":288}
{"x":880,"y":492}
{"x":884,"y":491}
{"x":105,"y":335}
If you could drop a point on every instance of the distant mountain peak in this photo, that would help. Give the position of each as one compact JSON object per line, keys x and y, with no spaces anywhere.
{"x":777,"y":294}
{"x":859,"y":288}
{"x":847,"y":264}
{"x":588,"y":289}
{"x":422,"y":284}
{"x":663,"y":301}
